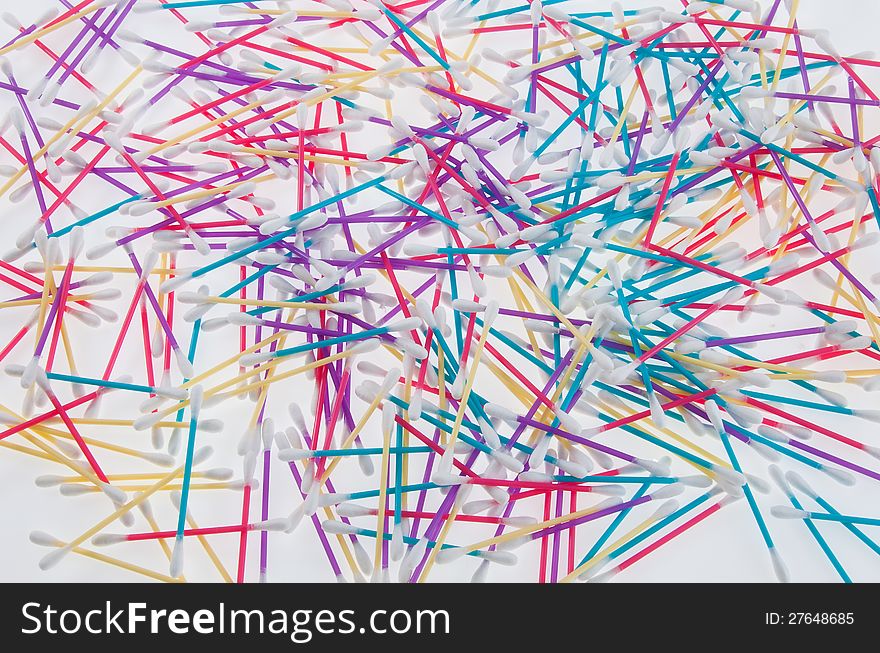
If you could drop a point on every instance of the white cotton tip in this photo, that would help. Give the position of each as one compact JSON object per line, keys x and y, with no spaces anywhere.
{"x":49,"y":480}
{"x":186,"y":297}
{"x":867,"y":240}
{"x":853,"y":344}
{"x":796,"y":430}
{"x":183,"y":364}
{"x":68,"y":449}
{"x":767,"y":453}
{"x":213,"y":324}
{"x":75,"y":244}
{"x":467,"y":306}
{"x":830,"y":376}
{"x":773,"y":434}
{"x":15,"y":254}
{"x":160,"y":459}
{"x":451,"y":554}
{"x":175,"y":569}
{"x":608,"y":490}
{"x":491,"y":313}
{"x":581,"y":458}
{"x":533,"y":476}
{"x":171,"y":284}
{"x":834,"y":398}
{"x":507,"y":461}
{"x":405,"y":325}
{"x":714,"y":415}
{"x":210,"y":426}
{"x":107,"y":294}
{"x":363,"y":558}
{"x":872,"y":415}
{"x":202,"y":454}
{"x":498,"y":411}
{"x":242,"y":319}
{"x":779,"y":567}
{"x":504,"y":558}
{"x":696,"y":480}
{"x":572,"y":468}
{"x":353,"y":510}
{"x":789,"y":512}
{"x":41,"y":538}
{"x":345,"y":308}
{"x":536,"y":458}
{"x":291,"y":454}
{"x":313,"y":496}
{"x":294,"y":518}
{"x":116,"y":495}
{"x":690,"y":346}
{"x":249,"y":360}
{"x":517,"y":542}
{"x":278,"y":525}
{"x":667,"y":491}
{"x":411,"y":560}
{"x":219,"y":474}
{"x":482,"y":572}
{"x":329,"y":499}
{"x":758,"y":484}
{"x":656,"y":468}
{"x":606,"y":504}
{"x":196,"y":397}
{"x":657,"y":415}
{"x":74,"y":489}
{"x":30,"y":372}
{"x":107,"y":539}
{"x":729,"y":476}
{"x":447,"y":480}
{"x":390,"y":380}
{"x":53,"y":558}
{"x":841,"y":476}
{"x":666,"y":508}
{"x":823,"y":40}
{"x":778,"y":477}
{"x":476,"y":507}
{"x":335,"y":527}
{"x":519,"y":522}
{"x":798,"y":482}
{"x":568,"y":422}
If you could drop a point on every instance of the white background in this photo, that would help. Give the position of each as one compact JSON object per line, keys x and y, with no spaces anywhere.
{"x":726,"y":548}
